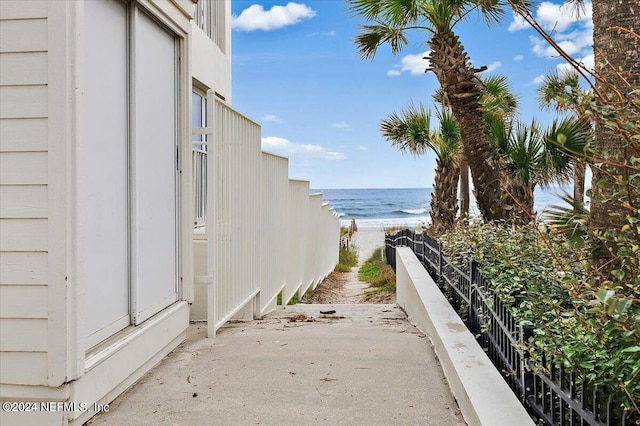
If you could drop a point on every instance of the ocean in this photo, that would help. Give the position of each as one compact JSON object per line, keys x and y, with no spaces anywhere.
{"x":383,"y":208}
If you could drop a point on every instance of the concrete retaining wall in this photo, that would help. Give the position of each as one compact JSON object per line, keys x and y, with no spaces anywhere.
{"x":482,"y":394}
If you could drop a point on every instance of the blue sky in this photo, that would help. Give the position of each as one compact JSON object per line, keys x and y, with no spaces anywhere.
{"x":297,"y":72}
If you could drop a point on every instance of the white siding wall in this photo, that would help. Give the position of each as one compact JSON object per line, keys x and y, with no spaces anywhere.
{"x":23,"y":192}
{"x":42,"y":310}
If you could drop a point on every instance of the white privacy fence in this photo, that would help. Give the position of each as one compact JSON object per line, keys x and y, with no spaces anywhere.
{"x":266,"y":234}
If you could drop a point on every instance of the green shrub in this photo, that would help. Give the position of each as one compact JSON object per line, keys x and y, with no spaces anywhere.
{"x":546,"y":280}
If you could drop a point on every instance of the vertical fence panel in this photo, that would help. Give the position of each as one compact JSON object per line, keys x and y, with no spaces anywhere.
{"x":296,"y":236}
{"x":311,"y":250}
{"x":274,"y":240}
{"x":237,"y":150}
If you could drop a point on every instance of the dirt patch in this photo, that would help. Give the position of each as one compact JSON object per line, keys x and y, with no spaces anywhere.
{"x":330,"y":290}
{"x":379,"y":298}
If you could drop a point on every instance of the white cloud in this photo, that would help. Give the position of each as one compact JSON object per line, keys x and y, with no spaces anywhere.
{"x":331,"y":33}
{"x":571,"y":28}
{"x":518,"y":23}
{"x":341,"y":125}
{"x":271,"y":118}
{"x":556,"y":17}
{"x":518,"y":57}
{"x":538,"y":80}
{"x":559,"y":17}
{"x":494,"y":66}
{"x":256,"y":18}
{"x":361,"y":148}
{"x":286,"y":147}
{"x":588,"y":61}
{"x":577,"y":42}
{"x":415,"y":64}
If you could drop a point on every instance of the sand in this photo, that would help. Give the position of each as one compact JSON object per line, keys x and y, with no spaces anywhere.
{"x":345,"y":287}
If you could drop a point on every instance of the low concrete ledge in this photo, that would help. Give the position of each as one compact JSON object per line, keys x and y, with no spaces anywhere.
{"x":482,"y":394}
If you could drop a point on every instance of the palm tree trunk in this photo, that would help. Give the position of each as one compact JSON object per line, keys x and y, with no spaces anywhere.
{"x":464,"y":188}
{"x":621,"y":51}
{"x":444,"y":200}
{"x":452,"y":67}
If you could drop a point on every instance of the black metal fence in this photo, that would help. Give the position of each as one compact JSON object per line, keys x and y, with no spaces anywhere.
{"x":551,"y":393}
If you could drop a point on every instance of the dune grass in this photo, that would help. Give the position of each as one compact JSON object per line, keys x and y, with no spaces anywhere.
{"x":378,"y":274}
{"x":347,"y":259}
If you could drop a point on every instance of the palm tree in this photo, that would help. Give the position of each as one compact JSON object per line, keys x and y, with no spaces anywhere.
{"x":533,"y":156}
{"x":616,"y":46}
{"x":410,"y":132}
{"x":561,"y":91}
{"x":498,"y":101}
{"x":621,"y":53}
{"x":452,"y":67}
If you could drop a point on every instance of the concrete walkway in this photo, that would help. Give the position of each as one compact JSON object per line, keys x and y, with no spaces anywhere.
{"x":362,"y":365}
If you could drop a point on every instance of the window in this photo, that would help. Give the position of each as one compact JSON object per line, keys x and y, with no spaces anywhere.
{"x":199,"y":155}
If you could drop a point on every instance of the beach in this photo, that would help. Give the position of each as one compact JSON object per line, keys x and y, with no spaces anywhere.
{"x":345,"y":287}
{"x":367,"y":239}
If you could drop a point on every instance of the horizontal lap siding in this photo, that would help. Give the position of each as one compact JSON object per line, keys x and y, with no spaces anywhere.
{"x":24,"y":104}
{"x":24,"y":368}
{"x":23,"y":68}
{"x":23,"y":268}
{"x":23,"y":135}
{"x":23,"y":35}
{"x":20,"y":301}
{"x":23,"y":201}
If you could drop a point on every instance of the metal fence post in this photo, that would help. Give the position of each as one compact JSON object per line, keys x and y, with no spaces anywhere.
{"x":440,"y":280}
{"x":526,"y":377}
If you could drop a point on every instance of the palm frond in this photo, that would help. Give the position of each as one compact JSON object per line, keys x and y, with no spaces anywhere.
{"x":492,"y":11}
{"x":561,"y":91}
{"x":368,"y":9}
{"x":523,"y":6}
{"x":571,"y":136}
{"x":393,"y":12}
{"x":449,"y":134}
{"x":524,"y":153}
{"x":570,"y":220}
{"x":373,"y":36}
{"x":440,"y":96}
{"x":409,"y":130}
{"x":443,"y":15}
{"x":499,"y":98}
